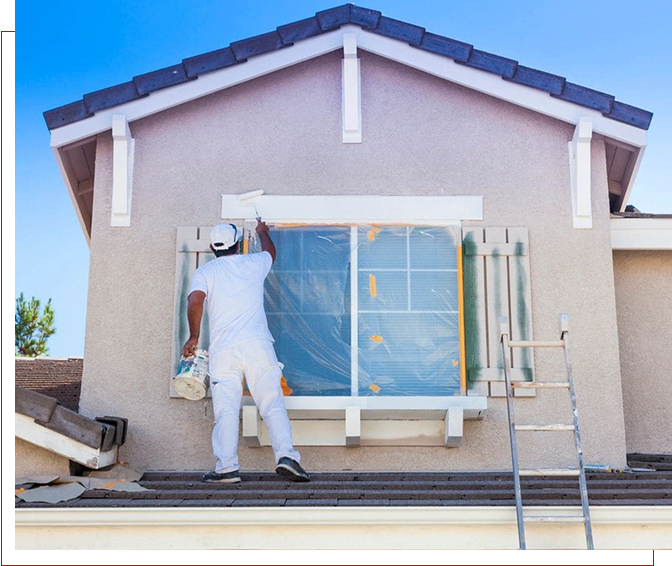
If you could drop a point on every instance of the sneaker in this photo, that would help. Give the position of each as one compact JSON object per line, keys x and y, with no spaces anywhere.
{"x":228,"y":477}
{"x":291,"y":469}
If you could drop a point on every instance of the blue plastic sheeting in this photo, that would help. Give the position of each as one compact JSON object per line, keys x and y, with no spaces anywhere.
{"x":406,"y":310}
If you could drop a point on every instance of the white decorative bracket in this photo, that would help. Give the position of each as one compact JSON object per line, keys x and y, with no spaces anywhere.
{"x":579,"y":171}
{"x":454,"y":426}
{"x":353,"y":426}
{"x":352,"y":94}
{"x":122,"y":171}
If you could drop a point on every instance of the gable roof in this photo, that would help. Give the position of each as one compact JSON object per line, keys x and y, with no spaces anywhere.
{"x":370,"y":20}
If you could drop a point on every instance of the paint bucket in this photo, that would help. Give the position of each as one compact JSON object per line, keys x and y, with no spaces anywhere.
{"x":191,"y":380}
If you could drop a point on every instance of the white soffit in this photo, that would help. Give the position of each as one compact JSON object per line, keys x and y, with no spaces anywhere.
{"x":395,"y":50}
{"x":346,"y":209}
{"x":641,"y":233}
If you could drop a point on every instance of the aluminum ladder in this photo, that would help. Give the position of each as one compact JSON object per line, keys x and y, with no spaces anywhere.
{"x":514,"y":428}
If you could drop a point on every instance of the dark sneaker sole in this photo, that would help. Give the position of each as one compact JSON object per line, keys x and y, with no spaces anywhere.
{"x":227,"y":480}
{"x":289,"y":473}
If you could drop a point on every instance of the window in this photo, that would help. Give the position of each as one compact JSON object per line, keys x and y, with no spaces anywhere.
{"x":366,"y":310}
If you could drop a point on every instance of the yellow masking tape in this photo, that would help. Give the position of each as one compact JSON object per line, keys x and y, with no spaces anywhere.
{"x":377,"y":339}
{"x":372,"y":284}
{"x":373,"y":232}
{"x":373,"y":387}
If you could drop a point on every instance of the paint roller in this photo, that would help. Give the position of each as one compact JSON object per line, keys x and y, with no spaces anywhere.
{"x":247,"y":199}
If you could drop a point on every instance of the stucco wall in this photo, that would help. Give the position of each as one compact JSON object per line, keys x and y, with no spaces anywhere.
{"x":644,"y":308}
{"x":282,"y":133}
{"x":31,"y":460}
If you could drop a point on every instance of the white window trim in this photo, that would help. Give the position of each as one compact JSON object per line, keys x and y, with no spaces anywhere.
{"x":355,"y":209}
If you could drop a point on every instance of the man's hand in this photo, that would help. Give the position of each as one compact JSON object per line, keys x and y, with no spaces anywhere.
{"x":262,"y":227}
{"x":189,"y":349}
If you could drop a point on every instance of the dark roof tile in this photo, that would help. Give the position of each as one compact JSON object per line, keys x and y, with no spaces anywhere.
{"x":397,"y":29}
{"x":538,"y":79}
{"x":257,"y":45}
{"x":67,"y":114}
{"x":492,"y":63}
{"x":111,"y":96}
{"x":168,"y":76}
{"x":334,"y":17}
{"x":297,"y":31}
{"x":446,"y":46}
{"x":630,"y":115}
{"x":330,"y":19}
{"x":207,"y":62}
{"x":364,"y":17}
{"x":586,"y":97}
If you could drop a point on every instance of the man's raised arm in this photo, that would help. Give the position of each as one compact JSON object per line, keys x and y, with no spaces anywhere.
{"x":267,"y":244}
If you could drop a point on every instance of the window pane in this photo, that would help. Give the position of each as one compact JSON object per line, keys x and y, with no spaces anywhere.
{"x":434,"y":290}
{"x":408,"y":326}
{"x":307,"y":301}
{"x":432,"y":248}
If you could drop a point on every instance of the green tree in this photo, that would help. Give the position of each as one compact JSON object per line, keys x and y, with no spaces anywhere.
{"x":32,"y":328}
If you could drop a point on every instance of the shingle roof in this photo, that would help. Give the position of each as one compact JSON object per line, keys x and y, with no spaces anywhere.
{"x":60,"y":378}
{"x":370,"y":20}
{"x":337,"y":489}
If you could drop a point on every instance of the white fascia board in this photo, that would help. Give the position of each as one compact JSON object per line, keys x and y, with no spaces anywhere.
{"x":494,"y":85}
{"x":346,"y":209}
{"x":641,"y":233}
{"x":395,"y":50}
{"x":176,"y":516}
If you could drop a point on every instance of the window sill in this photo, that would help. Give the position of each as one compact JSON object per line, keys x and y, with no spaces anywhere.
{"x":372,"y":421}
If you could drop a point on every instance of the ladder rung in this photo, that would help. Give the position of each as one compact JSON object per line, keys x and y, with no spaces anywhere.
{"x":548,"y":427}
{"x":536,"y":344}
{"x":550,"y":472}
{"x":554,"y":519}
{"x":540,"y":384}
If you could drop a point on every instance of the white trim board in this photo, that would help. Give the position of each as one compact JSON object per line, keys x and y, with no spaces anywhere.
{"x":344,"y":209}
{"x":437,"y":65}
{"x":30,"y":431}
{"x":621,"y":527}
{"x":641,"y":233}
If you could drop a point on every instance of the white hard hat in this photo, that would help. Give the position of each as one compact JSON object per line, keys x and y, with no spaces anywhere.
{"x":223,"y":236}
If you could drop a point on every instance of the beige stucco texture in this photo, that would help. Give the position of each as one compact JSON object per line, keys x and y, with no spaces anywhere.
{"x":644,"y":307}
{"x":421,"y":136}
{"x":31,"y":460}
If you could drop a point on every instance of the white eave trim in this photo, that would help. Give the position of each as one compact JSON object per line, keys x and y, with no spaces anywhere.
{"x":174,"y":516}
{"x":641,"y":233}
{"x":395,"y":50}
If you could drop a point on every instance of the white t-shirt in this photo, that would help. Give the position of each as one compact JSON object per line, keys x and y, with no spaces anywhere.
{"x":234,"y":288}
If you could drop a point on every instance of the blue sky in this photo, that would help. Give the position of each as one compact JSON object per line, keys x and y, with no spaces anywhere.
{"x":68,"y":48}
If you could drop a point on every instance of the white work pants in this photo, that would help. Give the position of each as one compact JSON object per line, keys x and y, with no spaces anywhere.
{"x":255,"y":360}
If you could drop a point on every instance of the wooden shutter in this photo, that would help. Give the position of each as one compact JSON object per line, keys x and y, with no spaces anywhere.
{"x":496,"y":283}
{"x":192,"y":251}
